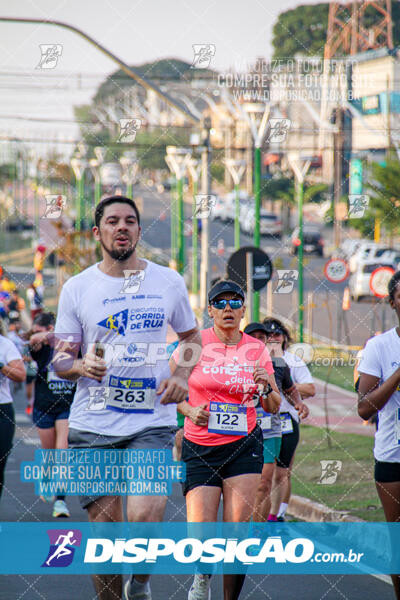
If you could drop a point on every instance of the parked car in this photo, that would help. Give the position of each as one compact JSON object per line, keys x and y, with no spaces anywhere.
{"x":19,"y":224}
{"x":366,"y":251}
{"x":217,"y":209}
{"x":270,"y":224}
{"x":229,"y":205}
{"x":393,"y":257}
{"x":312,"y":240}
{"x":349,"y":247}
{"x":359,"y":280}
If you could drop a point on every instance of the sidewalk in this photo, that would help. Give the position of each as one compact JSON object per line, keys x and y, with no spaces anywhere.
{"x":342,"y":410}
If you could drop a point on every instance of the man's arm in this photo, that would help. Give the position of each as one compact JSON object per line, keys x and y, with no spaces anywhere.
{"x":68,"y":366}
{"x":175,"y":388}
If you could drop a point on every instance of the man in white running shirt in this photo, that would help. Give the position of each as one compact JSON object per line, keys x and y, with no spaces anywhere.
{"x":130,"y":322}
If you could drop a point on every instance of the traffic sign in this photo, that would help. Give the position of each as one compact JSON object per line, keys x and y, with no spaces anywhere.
{"x":336,"y":270}
{"x":378,"y":282}
{"x":262,"y":267}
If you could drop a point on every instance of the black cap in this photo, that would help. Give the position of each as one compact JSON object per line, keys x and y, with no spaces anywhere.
{"x":225,"y":286}
{"x":273,"y":326}
{"x":251,"y":327}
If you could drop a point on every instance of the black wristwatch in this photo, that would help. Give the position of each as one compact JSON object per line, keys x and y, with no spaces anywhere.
{"x":1,"y":365}
{"x":267,"y":390}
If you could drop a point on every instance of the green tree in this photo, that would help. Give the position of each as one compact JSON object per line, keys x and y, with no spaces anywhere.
{"x":384,"y":195}
{"x":303,"y":30}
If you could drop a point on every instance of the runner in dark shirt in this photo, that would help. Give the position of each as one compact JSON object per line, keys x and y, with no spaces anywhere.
{"x":53,"y":397}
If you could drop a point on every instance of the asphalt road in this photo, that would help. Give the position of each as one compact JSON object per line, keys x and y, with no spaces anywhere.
{"x":363,"y":318}
{"x":19,"y":503}
{"x":361,"y":321}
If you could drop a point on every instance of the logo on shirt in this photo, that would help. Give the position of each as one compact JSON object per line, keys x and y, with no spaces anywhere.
{"x":117,"y":322}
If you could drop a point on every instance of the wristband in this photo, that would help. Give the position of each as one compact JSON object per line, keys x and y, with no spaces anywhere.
{"x":1,"y":365}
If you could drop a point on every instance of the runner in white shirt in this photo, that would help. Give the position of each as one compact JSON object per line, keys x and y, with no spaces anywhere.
{"x":11,"y":368}
{"x":125,"y":303}
{"x":279,"y":336}
{"x":379,"y":390}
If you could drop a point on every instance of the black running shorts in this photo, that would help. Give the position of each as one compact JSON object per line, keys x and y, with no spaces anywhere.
{"x":210,"y":465}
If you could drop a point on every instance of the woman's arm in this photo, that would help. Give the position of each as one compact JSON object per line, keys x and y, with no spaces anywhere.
{"x":307,"y":390}
{"x":272,"y":401}
{"x":294,"y":398}
{"x":197,"y":414}
{"x":372,"y":396}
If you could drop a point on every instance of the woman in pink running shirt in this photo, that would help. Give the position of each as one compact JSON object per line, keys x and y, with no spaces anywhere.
{"x":223,"y":445}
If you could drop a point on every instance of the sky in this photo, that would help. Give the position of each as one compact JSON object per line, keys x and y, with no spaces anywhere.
{"x":137,"y":31}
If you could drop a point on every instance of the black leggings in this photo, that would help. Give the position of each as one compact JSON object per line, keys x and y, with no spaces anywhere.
{"x":7,"y":429}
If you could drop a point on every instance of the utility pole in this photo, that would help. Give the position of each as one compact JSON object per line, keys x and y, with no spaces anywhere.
{"x":300,"y":169}
{"x":177,"y":160}
{"x":338,"y":173}
{"x":205,"y":189}
{"x":194,"y":169}
{"x":236,"y":169}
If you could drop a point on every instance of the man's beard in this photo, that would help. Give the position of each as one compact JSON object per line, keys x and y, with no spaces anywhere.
{"x":119,"y":255}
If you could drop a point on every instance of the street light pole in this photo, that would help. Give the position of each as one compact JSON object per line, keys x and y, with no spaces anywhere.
{"x":258,"y":128}
{"x":78,"y":166}
{"x":178,"y":159}
{"x":205,"y":189}
{"x":236,"y":169}
{"x":300,"y":169}
{"x":194,"y":169}
{"x":129,"y":169}
{"x":95,"y":169}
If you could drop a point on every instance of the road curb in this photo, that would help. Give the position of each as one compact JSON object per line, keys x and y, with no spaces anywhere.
{"x":310,"y":511}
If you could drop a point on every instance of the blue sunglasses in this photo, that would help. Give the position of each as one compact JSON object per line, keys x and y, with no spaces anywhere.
{"x":234,"y":304}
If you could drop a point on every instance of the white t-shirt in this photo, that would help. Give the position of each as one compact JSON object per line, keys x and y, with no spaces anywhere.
{"x":17,"y":341}
{"x":300,"y":374}
{"x":381,"y":358}
{"x":133,"y":327}
{"x":8,"y":352}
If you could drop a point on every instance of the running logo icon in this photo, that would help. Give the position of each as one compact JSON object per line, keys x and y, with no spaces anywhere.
{"x":62,"y":547}
{"x":203,"y":54}
{"x":50,"y":54}
{"x":278,"y":129}
{"x":98,"y":397}
{"x":358,"y":204}
{"x":286,"y":280}
{"x":117,"y":322}
{"x":128,"y":129}
{"x":55,"y":205}
{"x":132,"y":281}
{"x":330,"y":470}
{"x":204,"y":204}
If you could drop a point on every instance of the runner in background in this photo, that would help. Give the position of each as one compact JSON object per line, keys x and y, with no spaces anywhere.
{"x":35,"y":296}
{"x":373,"y":420}
{"x":11,"y":369}
{"x":271,"y":427}
{"x":222,"y":445}
{"x":53,"y":397}
{"x":278,"y":341}
{"x":379,"y":391}
{"x":20,"y":338}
